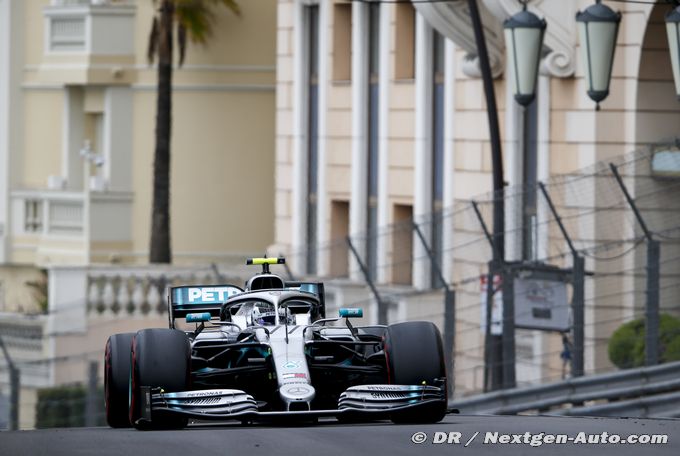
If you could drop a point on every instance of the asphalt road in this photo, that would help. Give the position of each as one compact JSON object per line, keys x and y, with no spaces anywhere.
{"x":331,"y":438}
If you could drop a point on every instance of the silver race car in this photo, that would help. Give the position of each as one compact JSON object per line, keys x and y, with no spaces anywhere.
{"x":268,"y":352}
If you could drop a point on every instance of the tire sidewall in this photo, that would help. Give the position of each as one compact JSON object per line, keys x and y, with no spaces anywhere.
{"x":415,"y":356}
{"x":116,"y":379}
{"x":414,"y":353}
{"x":160,"y":358}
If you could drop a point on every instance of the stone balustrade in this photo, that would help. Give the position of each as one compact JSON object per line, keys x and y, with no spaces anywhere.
{"x":77,"y":294}
{"x":140,"y":292}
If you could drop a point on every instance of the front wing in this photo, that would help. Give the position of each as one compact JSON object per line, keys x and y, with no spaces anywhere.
{"x":362,"y":401}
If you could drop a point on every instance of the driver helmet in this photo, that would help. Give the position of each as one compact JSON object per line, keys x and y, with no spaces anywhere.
{"x":263,"y":314}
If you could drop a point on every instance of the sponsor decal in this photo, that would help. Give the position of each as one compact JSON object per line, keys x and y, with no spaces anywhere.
{"x":300,"y":390}
{"x":292,"y":365}
{"x":386,"y":388}
{"x":203,"y":295}
{"x":206,"y":393}
{"x":211,"y":294}
{"x":294,"y":375}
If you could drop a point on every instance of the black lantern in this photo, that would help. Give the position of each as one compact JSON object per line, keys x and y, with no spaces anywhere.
{"x":673,"y":32}
{"x":524,"y":41}
{"x":598,"y":27}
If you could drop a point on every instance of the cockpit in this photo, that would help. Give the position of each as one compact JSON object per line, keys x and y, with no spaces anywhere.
{"x":259,"y":313}
{"x":266,"y":300}
{"x":284,"y":308}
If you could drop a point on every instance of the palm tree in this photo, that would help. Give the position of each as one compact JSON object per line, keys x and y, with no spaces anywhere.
{"x":193,"y":19}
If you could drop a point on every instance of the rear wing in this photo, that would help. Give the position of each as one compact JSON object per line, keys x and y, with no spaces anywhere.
{"x":198,"y":299}
{"x":315,"y":288}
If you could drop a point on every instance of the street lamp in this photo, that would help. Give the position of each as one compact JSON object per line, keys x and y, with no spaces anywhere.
{"x":673,"y":32}
{"x":524,"y":39}
{"x":598,"y":27}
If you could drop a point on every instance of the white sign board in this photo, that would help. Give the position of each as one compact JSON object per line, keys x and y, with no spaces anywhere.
{"x":541,"y":304}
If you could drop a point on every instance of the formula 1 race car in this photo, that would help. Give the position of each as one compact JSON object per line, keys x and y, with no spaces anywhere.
{"x":267,"y":352}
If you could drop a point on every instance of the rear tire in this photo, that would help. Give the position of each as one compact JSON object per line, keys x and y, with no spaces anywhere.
{"x":117,"y":378}
{"x":415,"y":356}
{"x":160,"y":359}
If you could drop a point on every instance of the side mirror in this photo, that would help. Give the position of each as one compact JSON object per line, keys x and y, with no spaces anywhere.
{"x":198,"y":317}
{"x":351,"y":312}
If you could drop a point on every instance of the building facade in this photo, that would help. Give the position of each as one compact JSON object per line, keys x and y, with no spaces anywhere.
{"x":381,"y":119}
{"x":77,"y":119}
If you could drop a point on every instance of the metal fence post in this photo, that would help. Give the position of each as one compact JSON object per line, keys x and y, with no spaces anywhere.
{"x":652,"y":292}
{"x":578,"y":283}
{"x":493,"y":356}
{"x":449,"y":309}
{"x":508,"y":337}
{"x":91,"y":398}
{"x":15,"y":391}
{"x":577,"y":305}
{"x":652,"y":308}
{"x":218,"y":274}
{"x":450,"y":336}
{"x":382,"y":308}
{"x":491,"y":377}
{"x":14,"y":388}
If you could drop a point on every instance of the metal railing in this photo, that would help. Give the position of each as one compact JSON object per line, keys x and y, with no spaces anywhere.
{"x":632,"y":383}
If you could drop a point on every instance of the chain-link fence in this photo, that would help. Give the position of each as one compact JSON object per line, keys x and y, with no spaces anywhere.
{"x":604,"y":227}
{"x":410,"y":263}
{"x":26,"y":403}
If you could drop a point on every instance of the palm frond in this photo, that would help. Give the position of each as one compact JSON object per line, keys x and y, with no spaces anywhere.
{"x":229,"y":4}
{"x":198,"y":16}
{"x":152,"y":49}
{"x":181,"y":42}
{"x":195,"y":17}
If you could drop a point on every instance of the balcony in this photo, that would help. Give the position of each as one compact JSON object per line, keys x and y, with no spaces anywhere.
{"x":78,"y":44}
{"x":53,"y":226}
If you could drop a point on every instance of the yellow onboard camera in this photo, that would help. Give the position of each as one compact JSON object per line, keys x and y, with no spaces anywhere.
{"x":265,"y":262}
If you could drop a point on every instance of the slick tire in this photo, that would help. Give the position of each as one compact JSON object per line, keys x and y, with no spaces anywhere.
{"x":160,"y":359}
{"x":117,"y":378}
{"x":414,"y":356}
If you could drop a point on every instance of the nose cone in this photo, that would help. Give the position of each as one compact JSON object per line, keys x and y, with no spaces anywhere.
{"x":297,"y":396}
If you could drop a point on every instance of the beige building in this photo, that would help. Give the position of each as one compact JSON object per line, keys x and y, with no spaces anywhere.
{"x":77,"y":119}
{"x":381,"y":118}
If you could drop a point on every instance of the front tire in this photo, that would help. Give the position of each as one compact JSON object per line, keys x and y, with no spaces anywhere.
{"x":160,"y":359}
{"x":415,"y":356}
{"x":116,"y":379}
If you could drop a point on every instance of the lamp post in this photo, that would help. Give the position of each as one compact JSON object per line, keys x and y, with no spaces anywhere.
{"x":673,"y":32}
{"x":493,"y":351}
{"x":524,"y":34}
{"x":524,"y":40}
{"x":598,"y":28}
